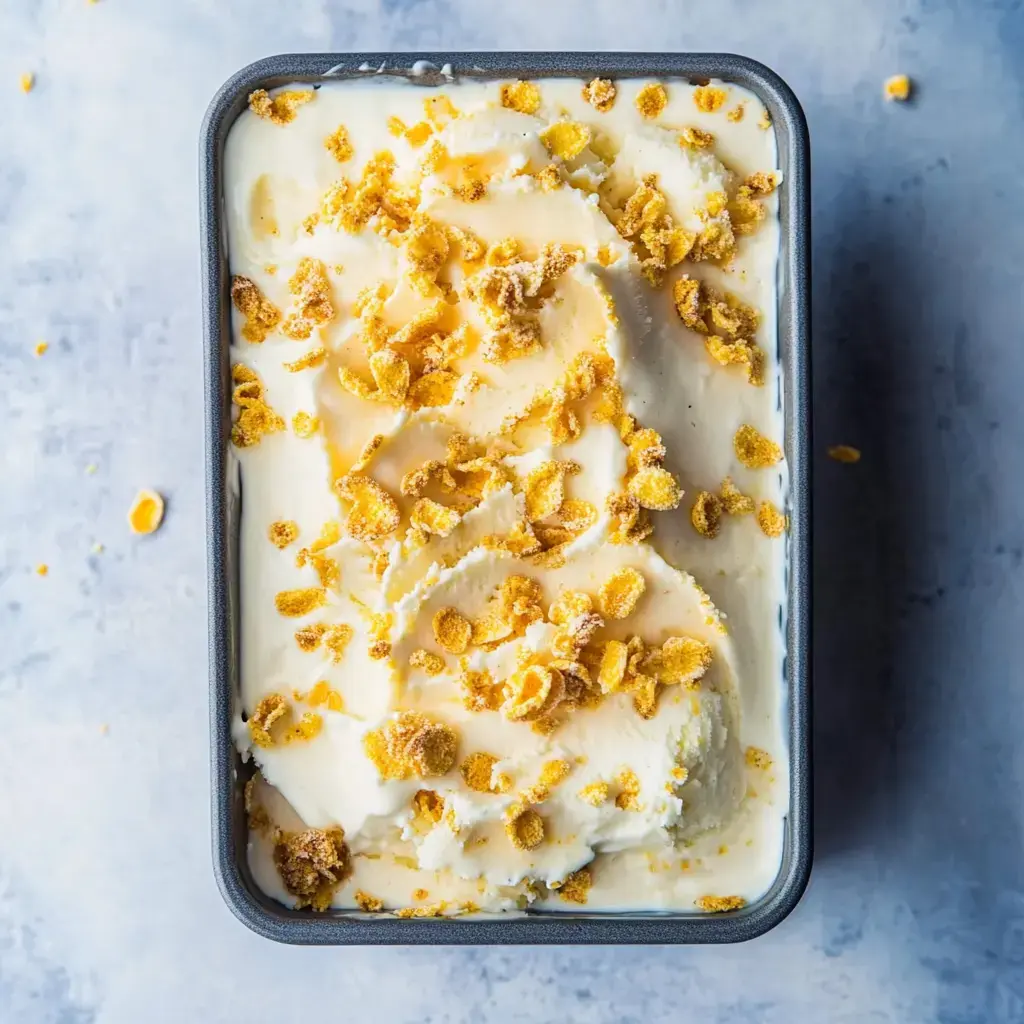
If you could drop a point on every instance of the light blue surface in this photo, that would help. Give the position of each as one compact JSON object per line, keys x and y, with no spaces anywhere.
{"x":108,"y":909}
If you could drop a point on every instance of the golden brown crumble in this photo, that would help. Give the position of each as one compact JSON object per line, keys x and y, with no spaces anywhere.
{"x":283,"y":532}
{"x":629,"y":790}
{"x":651,"y":100}
{"x":452,"y":631}
{"x":310,"y":637}
{"x":432,"y":517}
{"x":337,"y":639}
{"x":897,"y":88}
{"x":709,"y":98}
{"x":295,"y":603}
{"x":621,"y":592}
{"x":305,"y":424}
{"x":576,"y":887}
{"x":270,"y":709}
{"x":772,"y":522}
{"x":524,"y":827}
{"x":596,"y":793}
{"x":412,"y":744}
{"x":632,"y":524}
{"x":428,"y":808}
{"x":312,"y":864}
{"x":281,"y":108}
{"x":696,"y":138}
{"x":754,"y":450}
{"x":719,"y":904}
{"x":656,"y":488}
{"x":312,"y":291}
{"x":477,"y":772}
{"x":339,"y":145}
{"x":420,"y":894}
{"x":322,"y":695}
{"x":146,"y":512}
{"x":521,"y":96}
{"x":765,"y":121}
{"x":758,"y":758}
{"x":375,"y":197}
{"x":565,"y":139}
{"x":733,"y":500}
{"x":313,"y":358}
{"x":432,"y":664}
{"x":682,"y":660}
{"x":368,"y":903}
{"x":431,"y":910}
{"x":600,"y":94}
{"x":658,"y":243}
{"x":479,"y":690}
{"x":736,"y":114}
{"x":552,"y":774}
{"x":532,"y":692}
{"x":261,"y":315}
{"x":760,"y":183}
{"x":706,"y":514}
{"x":545,"y":488}
{"x":844,"y":453}
{"x":373,"y":513}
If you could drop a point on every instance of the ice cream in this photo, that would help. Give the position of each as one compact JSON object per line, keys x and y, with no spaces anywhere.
{"x":507,"y":428}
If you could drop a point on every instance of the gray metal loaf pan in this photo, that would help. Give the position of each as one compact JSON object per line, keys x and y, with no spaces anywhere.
{"x":229,"y":774}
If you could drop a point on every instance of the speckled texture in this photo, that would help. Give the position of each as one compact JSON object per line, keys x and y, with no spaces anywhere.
{"x":915,"y":913}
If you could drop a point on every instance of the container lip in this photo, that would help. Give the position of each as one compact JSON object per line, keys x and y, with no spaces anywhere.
{"x":252,"y":908}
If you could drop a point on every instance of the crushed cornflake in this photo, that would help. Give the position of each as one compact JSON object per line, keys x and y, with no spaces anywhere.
{"x":479,"y":690}
{"x":565,"y":139}
{"x":844,"y":453}
{"x":576,"y":886}
{"x":521,"y":96}
{"x":545,"y":488}
{"x":621,"y":592}
{"x":375,"y":200}
{"x":682,"y":660}
{"x":146,"y":512}
{"x":632,"y":524}
{"x":897,"y":88}
{"x":629,"y":790}
{"x":261,"y":315}
{"x":323,"y":696}
{"x":283,"y":532}
{"x":612,"y":669}
{"x":758,"y":758}
{"x":552,"y":774}
{"x":600,"y":94}
{"x":524,"y":827}
{"x":432,"y":664}
{"x":366,"y":902}
{"x":339,"y":145}
{"x":656,"y":488}
{"x":373,"y":513}
{"x":696,"y":138}
{"x":416,"y":481}
{"x":313,"y":306}
{"x":651,"y":100}
{"x":569,"y":605}
{"x":295,"y":603}
{"x":706,"y":514}
{"x":433,"y":517}
{"x":736,"y":114}
{"x":310,"y":637}
{"x":432,"y":910}
{"x":391,"y":374}
{"x":281,"y":108}
{"x":477,"y":771}
{"x":595,"y":793}
{"x":305,"y":424}
{"x":765,"y":120}
{"x":270,"y":709}
{"x":533,"y":692}
{"x":709,"y":98}
{"x":452,"y":631}
{"x":754,"y":450}
{"x":312,"y":864}
{"x":772,"y":522}
{"x":733,"y":500}
{"x":719,"y":904}
{"x":336,"y":640}
{"x":313,"y":358}
{"x":412,"y":743}
{"x":658,"y":243}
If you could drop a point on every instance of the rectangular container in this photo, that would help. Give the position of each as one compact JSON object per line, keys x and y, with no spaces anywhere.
{"x":229,"y":774}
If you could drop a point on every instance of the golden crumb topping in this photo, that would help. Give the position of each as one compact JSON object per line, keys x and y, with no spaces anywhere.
{"x":312,"y":303}
{"x":305,"y":424}
{"x":281,"y":108}
{"x":596,"y":793}
{"x":283,"y":532}
{"x":600,"y":94}
{"x":576,"y":887}
{"x":269,"y":710}
{"x":696,"y":138}
{"x":656,"y":488}
{"x":452,"y":631}
{"x":524,"y":827}
{"x":339,"y":145}
{"x":295,"y":603}
{"x":312,"y":864}
{"x":755,"y":450}
{"x":521,"y":96}
{"x":621,"y":592}
{"x":310,"y":637}
{"x":629,"y":790}
{"x":632,"y":524}
{"x":368,"y":903}
{"x":532,"y":692}
{"x":719,"y":904}
{"x":897,"y":88}
{"x":545,"y":488}
{"x":146,"y":512}
{"x":706,"y":514}
{"x":736,"y":114}
{"x":552,"y":774}
{"x":432,"y":910}
{"x":312,"y":359}
{"x":479,"y":690}
{"x":651,"y":100}
{"x":373,"y":513}
{"x":412,"y":744}
{"x":323,"y":696}
{"x":565,"y":139}
{"x":337,"y":639}
{"x":569,"y":605}
{"x":772,"y":522}
{"x":844,"y":453}
{"x":375,"y":200}
{"x":261,"y":315}
{"x":478,"y":773}
{"x":433,"y":517}
{"x":612,"y":669}
{"x":733,"y":500}
{"x":709,"y":98}
{"x":658,"y":243}
{"x":432,"y":664}
{"x":758,"y":758}
{"x":682,"y":660}
{"x":765,"y":121}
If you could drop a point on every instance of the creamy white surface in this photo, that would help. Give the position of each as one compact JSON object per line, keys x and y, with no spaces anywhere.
{"x":671,"y":386}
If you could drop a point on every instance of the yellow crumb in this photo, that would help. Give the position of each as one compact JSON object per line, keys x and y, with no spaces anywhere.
{"x":765,"y":121}
{"x":420,"y":894}
{"x":706,"y":514}
{"x":629,"y":790}
{"x":368,"y":903}
{"x":521,"y":96}
{"x":524,"y":827}
{"x":565,"y":139}
{"x":709,"y":98}
{"x":897,"y":88}
{"x":576,"y":886}
{"x":844,"y":453}
{"x":147,"y":512}
{"x":477,"y":771}
{"x":41,"y":347}
{"x":755,"y":450}
{"x":621,"y":591}
{"x":452,"y":631}
{"x":758,"y":758}
{"x":772,"y":522}
{"x":651,"y":100}
{"x":595,"y":793}
{"x":412,"y":743}
{"x":736,"y":114}
{"x":27,"y":81}
{"x":283,"y":532}
{"x":296,"y":603}
{"x":281,"y":108}
{"x":600,"y":94}
{"x":719,"y":904}
{"x":42,"y":569}
{"x":305,"y":424}
{"x":339,"y":145}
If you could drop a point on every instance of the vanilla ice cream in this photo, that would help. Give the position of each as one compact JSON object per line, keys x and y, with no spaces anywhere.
{"x":507,"y":434}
